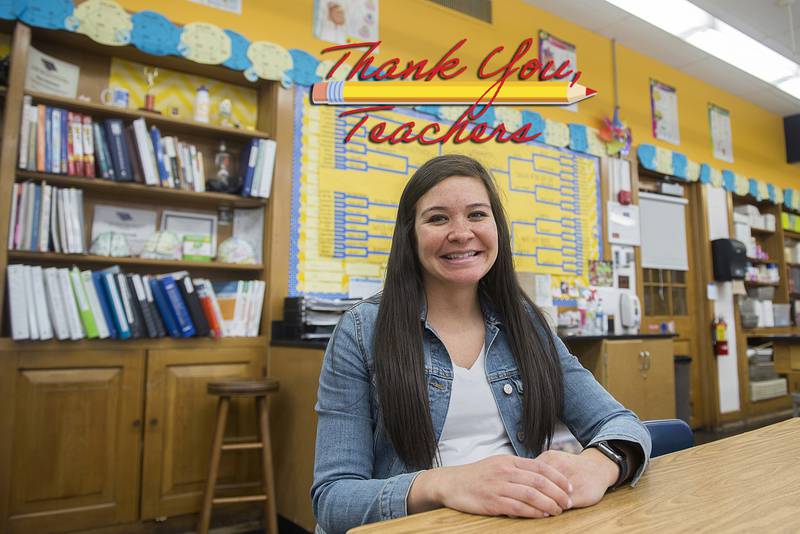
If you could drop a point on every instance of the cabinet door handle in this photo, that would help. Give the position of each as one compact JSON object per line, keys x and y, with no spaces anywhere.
{"x":137,"y":423}
{"x":648,"y":359}
{"x":642,"y":362}
{"x":153,"y":422}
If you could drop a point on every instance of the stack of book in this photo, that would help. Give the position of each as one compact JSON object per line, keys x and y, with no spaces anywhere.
{"x":69,"y":304}
{"x":46,"y":218}
{"x":58,"y":141}
{"x":310,"y":318}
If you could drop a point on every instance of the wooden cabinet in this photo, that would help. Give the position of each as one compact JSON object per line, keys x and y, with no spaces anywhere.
{"x":87,"y":435}
{"x":71,"y":433}
{"x":180,"y":417}
{"x":639,"y":373}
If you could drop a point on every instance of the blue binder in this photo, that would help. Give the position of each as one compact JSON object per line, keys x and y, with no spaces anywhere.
{"x":164,"y":308}
{"x":248,"y":157}
{"x":105,"y":305}
{"x":175,"y":299}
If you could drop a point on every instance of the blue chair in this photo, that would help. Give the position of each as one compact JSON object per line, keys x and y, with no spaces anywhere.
{"x":669,"y":435}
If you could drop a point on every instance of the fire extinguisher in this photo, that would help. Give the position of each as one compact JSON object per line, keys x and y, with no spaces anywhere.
{"x":719,"y":337}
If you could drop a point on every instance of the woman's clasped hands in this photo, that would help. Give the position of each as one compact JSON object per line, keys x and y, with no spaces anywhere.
{"x":519,"y":487}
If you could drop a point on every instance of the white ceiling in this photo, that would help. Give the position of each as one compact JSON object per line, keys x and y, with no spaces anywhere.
{"x":765,"y":20}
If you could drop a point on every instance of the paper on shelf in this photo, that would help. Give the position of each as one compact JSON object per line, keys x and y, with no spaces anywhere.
{"x":49,"y":75}
{"x":135,"y":224}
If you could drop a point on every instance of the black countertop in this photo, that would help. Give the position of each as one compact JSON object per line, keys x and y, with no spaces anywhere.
{"x":310,"y":344}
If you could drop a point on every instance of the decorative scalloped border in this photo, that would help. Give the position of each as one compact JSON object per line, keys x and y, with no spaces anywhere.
{"x":675,"y":164}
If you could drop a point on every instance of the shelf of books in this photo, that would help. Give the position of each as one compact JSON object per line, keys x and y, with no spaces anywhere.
{"x":125,"y":223}
{"x":174,"y":124}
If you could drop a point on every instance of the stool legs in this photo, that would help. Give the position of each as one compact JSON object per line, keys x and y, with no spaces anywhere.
{"x":213,"y":465}
{"x":267,"y":482}
{"x":270,"y":511}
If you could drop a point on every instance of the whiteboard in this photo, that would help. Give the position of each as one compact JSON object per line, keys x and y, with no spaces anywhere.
{"x":663,"y":224}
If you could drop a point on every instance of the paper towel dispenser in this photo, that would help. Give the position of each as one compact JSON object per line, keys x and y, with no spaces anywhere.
{"x":730,"y":259}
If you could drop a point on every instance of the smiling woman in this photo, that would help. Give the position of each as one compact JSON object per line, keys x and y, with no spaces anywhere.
{"x":445,"y":389}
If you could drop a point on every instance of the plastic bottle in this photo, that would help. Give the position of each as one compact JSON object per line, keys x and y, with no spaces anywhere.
{"x":591,"y":315}
{"x":201,"y":104}
{"x":602,"y":324}
{"x":582,"y":312}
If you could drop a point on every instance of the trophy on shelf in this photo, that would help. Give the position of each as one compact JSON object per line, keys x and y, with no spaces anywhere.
{"x":150,"y":75}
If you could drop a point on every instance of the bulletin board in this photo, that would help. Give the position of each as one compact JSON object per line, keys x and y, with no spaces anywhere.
{"x":345,"y":195}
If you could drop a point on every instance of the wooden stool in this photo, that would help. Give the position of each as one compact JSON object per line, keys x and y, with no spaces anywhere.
{"x":259,"y":389}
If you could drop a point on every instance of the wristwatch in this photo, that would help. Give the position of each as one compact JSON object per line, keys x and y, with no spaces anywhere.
{"x":617,"y":456}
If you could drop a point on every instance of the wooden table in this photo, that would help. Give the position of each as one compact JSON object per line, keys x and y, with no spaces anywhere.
{"x":746,"y":483}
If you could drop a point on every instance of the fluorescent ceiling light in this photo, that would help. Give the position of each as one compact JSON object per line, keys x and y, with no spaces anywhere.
{"x":697,"y":27}
{"x":791,"y":86}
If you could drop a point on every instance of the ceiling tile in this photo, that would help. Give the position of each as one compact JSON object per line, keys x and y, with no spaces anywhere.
{"x":589,"y":14}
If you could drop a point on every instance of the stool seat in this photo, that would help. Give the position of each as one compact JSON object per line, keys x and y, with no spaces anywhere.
{"x":243,"y":388}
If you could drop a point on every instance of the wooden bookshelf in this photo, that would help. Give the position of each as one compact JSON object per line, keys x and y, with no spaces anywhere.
{"x":753,"y":283}
{"x":94,"y":63}
{"x":773,"y":244}
{"x":130,"y":190}
{"x":791,"y":234}
{"x":89,"y":259}
{"x":761,"y":231}
{"x":766,"y":331}
{"x":755,"y":261}
{"x":150,"y":394}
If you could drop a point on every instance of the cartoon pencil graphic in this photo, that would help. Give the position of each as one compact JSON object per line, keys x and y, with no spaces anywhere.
{"x":453,"y":93}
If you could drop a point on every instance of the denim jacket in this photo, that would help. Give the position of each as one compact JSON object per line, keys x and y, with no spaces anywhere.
{"x":358,"y":476}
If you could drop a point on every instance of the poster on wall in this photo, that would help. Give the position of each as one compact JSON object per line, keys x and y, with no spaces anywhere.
{"x":719,"y":122}
{"x":551,"y":48}
{"x":664,"y":108}
{"x":231,"y":6}
{"x":344,"y":21}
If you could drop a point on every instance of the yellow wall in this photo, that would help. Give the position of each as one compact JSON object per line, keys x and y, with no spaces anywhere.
{"x":413,"y":29}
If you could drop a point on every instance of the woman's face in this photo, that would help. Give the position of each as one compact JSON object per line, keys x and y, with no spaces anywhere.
{"x":456,"y":232}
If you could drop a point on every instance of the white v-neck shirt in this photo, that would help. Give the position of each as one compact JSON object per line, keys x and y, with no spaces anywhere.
{"x":473,"y":429}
